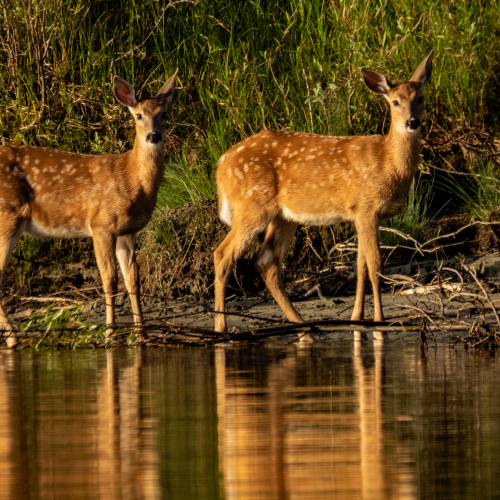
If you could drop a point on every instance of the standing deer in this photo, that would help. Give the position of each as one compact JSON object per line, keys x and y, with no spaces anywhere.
{"x":55,"y":194}
{"x":275,"y":180}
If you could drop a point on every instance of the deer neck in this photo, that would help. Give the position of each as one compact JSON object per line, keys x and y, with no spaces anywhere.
{"x":404,"y":149}
{"x":146,"y":165}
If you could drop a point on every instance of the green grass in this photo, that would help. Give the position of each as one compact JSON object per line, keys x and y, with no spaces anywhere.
{"x":183,"y":183}
{"x":243,"y":66}
{"x":477,"y":195}
{"x":414,"y":217}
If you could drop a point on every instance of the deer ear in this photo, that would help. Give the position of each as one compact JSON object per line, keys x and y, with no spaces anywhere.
{"x":423,"y":73}
{"x":167,"y":91}
{"x":124,"y":92}
{"x":376,"y":81}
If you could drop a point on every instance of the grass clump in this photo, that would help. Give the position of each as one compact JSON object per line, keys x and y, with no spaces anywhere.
{"x":477,"y":195}
{"x":415,"y":216}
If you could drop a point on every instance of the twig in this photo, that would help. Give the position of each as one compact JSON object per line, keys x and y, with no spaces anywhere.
{"x":473,"y":273}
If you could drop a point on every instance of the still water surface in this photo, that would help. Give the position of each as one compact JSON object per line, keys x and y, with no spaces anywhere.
{"x":251,"y":422}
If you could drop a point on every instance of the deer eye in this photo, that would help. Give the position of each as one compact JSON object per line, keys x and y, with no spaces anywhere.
{"x":139,"y":116}
{"x":396,"y":103}
{"x":164,"y":116}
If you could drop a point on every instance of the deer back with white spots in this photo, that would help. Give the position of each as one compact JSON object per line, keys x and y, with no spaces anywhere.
{"x":51,"y":193}
{"x":275,"y":180}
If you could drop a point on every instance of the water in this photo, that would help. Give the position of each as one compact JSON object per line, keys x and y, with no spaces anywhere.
{"x":261,"y":422}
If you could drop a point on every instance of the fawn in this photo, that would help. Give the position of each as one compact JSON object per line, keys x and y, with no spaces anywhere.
{"x":275,"y":180}
{"x":56,"y":194}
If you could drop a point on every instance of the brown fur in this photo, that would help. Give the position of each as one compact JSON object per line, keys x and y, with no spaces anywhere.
{"x":277,"y":179}
{"x":52,"y":193}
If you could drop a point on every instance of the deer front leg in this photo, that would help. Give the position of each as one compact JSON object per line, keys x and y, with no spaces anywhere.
{"x":358,"y":313}
{"x":372,"y":254}
{"x":105,"y":247}
{"x":125,"y":253}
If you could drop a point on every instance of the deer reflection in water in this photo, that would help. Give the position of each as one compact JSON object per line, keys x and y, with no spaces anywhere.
{"x":81,"y":440}
{"x":309,"y":432}
{"x":259,"y":422}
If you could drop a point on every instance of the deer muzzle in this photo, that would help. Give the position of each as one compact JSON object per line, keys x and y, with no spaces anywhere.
{"x":413,"y":123}
{"x":153,"y":137}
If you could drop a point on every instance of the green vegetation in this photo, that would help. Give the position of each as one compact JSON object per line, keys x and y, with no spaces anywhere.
{"x":244,"y":65}
{"x":414,"y":217}
{"x":62,"y":327}
{"x":479,"y":194}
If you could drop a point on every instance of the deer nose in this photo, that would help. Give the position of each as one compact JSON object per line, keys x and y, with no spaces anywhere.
{"x":153,"y":137}
{"x":413,"y":123}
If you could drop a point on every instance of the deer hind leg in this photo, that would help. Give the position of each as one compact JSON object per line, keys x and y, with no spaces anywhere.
{"x":105,"y":248}
{"x":368,"y":240}
{"x":125,"y":253}
{"x":278,"y":238}
{"x":10,"y":232}
{"x":225,"y":257}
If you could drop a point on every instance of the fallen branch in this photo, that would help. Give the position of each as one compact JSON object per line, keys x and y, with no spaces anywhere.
{"x":51,"y":299}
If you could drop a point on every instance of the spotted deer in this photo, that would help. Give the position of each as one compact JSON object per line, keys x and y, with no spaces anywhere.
{"x":56,"y":194}
{"x":275,"y":180}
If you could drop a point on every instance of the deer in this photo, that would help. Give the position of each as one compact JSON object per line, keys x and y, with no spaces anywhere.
{"x":275,"y":180}
{"x":50,"y":193}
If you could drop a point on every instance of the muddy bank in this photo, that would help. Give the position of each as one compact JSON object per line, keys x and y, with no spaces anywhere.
{"x":400,"y":304}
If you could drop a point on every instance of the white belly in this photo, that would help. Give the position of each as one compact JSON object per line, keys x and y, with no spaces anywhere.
{"x":38,"y":231}
{"x":317,"y":219}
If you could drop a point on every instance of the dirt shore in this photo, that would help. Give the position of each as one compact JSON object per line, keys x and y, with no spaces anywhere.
{"x":401,"y":303}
